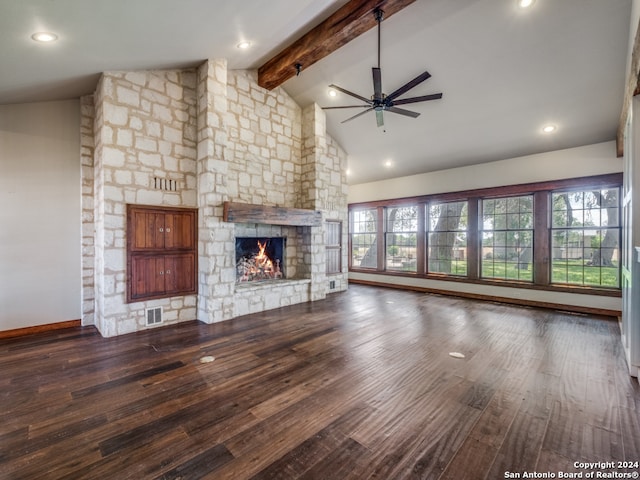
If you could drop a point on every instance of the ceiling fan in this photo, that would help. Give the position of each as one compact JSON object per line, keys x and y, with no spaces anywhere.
{"x":379,"y":102}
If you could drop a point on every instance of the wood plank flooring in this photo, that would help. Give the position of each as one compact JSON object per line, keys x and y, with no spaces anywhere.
{"x":358,"y":386}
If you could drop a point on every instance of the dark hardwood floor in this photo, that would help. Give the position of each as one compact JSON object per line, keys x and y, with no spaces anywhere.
{"x":358,"y":386}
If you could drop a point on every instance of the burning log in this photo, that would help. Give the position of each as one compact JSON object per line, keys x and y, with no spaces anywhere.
{"x":257,"y":267}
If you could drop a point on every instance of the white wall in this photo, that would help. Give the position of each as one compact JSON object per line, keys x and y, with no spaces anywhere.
{"x":40,"y":256}
{"x":583,"y":161}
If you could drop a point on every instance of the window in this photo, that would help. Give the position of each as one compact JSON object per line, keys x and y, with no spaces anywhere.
{"x":585,"y":237}
{"x":507,"y":238}
{"x":560,"y":235}
{"x":448,"y":238}
{"x":364,"y":233}
{"x":401,"y":238}
{"x":333,"y":245}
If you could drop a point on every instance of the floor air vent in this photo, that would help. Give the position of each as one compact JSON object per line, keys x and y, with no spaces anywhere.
{"x":154,"y":316}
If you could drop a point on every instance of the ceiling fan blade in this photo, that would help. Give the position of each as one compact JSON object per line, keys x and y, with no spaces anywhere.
{"x":402,"y":111}
{"x":409,"y":85}
{"x":357,"y":115}
{"x":379,"y":118}
{"x":346,"y":106}
{"x":424,"y":98}
{"x":377,"y":84}
{"x":359,"y":97}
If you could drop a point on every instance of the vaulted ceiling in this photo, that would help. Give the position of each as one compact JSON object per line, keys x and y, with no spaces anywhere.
{"x":505,"y":72}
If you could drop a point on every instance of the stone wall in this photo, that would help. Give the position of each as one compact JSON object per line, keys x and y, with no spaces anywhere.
{"x":336,"y":205}
{"x":220,"y":137}
{"x":324,"y":187}
{"x":264,"y":143}
{"x":216,"y":246}
{"x":100,"y":319}
{"x":146,"y":129}
{"x":87,"y":144}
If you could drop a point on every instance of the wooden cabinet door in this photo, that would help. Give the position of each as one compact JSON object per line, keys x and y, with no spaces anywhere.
{"x":180,"y":273}
{"x":161,"y":252}
{"x":147,"y":276}
{"x":148,"y":230}
{"x":179,"y":230}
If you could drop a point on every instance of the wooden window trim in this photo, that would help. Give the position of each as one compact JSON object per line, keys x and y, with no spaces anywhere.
{"x":505,"y":230}
{"x":429,"y":231}
{"x":350,"y":240}
{"x":540,"y":190}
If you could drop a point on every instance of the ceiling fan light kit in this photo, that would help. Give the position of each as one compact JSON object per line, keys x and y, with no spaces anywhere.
{"x":379,"y":101}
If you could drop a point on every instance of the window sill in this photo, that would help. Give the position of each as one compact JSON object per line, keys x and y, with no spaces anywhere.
{"x":585,"y":290}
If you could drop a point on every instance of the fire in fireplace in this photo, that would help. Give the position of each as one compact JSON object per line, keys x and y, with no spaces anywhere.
{"x":259,"y":259}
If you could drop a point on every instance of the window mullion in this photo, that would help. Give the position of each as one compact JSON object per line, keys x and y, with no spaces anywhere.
{"x":381,"y":239}
{"x":473,"y":239}
{"x":421,"y":240}
{"x":541,"y":238}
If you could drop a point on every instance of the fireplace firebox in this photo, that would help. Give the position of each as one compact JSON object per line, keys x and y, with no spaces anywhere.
{"x":260,"y":259}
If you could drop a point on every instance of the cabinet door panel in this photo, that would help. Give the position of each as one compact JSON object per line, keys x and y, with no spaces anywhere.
{"x":149,"y":230}
{"x":180,"y":273}
{"x":148,"y":276}
{"x":180,"y":230}
{"x":161,"y":252}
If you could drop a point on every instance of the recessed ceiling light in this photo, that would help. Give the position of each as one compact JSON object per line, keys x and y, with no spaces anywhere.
{"x":388,"y":164}
{"x":549,"y":128}
{"x":44,"y":37}
{"x":333,"y":93}
{"x":348,"y":172}
{"x":525,"y":3}
{"x":244,"y":45}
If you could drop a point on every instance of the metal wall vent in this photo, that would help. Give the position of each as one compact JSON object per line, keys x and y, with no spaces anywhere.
{"x":166,"y":184}
{"x":154,"y":316}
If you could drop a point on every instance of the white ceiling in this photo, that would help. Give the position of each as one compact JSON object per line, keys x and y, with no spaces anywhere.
{"x":504,"y":72}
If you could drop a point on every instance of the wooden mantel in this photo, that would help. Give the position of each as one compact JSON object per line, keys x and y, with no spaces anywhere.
{"x":249,"y":213}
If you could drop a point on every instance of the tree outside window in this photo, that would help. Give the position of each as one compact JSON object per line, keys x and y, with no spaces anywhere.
{"x":561,"y":235}
{"x":364,"y":233}
{"x":447,"y":251}
{"x":585,"y":237}
{"x":401,"y":238}
{"x":507,"y":238}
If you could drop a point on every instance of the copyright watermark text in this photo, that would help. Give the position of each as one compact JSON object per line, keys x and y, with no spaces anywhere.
{"x":589,"y":470}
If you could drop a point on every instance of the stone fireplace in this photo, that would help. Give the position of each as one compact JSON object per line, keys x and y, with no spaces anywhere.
{"x":215,"y":136}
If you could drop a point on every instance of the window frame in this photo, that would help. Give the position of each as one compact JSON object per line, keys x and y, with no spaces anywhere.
{"x":584,"y":229}
{"x":377,"y":231}
{"x":541,"y":232}
{"x":388,"y":231}
{"x":505,"y":231}
{"x":431,"y":231}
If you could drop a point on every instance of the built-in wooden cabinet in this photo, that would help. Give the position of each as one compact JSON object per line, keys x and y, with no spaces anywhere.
{"x":161,"y":252}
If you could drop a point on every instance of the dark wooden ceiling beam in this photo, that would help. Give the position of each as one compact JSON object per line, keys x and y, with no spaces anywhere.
{"x":350,"y":21}
{"x":632,"y":88}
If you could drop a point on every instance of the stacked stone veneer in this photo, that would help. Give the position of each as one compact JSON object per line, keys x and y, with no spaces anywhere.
{"x":220,"y":137}
{"x":87,"y":115}
{"x":145,"y":129}
{"x":333,"y":180}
